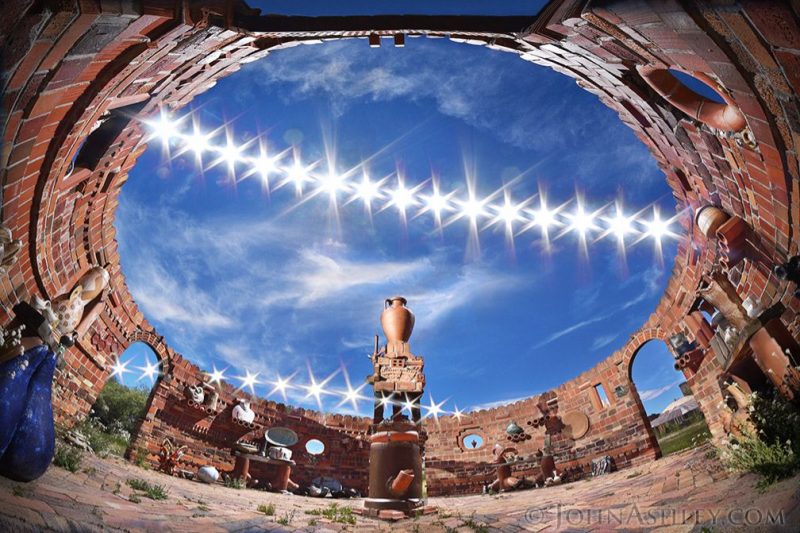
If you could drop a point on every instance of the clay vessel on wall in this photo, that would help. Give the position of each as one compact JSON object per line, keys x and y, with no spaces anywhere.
{"x":243,"y":413}
{"x":397,"y":320}
{"x":194,"y":393}
{"x":709,"y":219}
{"x":69,"y":307}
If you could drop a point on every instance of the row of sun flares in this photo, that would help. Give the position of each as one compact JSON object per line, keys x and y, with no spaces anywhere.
{"x":286,"y":169}
{"x":314,"y":389}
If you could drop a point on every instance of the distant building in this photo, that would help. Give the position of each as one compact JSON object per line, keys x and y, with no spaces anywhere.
{"x":685,"y":389}
{"x":678,"y":412}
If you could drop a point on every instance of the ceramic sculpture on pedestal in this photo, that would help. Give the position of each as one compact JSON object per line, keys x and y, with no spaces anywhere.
{"x":27,"y":435}
{"x":242,"y":411}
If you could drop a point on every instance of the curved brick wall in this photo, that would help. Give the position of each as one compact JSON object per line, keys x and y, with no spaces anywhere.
{"x":75,"y":72}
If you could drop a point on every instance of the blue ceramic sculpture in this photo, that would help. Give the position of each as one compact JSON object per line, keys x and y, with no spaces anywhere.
{"x":27,"y":435}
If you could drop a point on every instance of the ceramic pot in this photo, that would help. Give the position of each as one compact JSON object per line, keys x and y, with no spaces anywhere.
{"x":208,"y":474}
{"x":281,"y":453}
{"x":243,"y":413}
{"x":397,"y":320}
{"x":709,"y":218}
{"x":548,"y":466}
{"x":514,"y":429}
{"x":211,"y":400}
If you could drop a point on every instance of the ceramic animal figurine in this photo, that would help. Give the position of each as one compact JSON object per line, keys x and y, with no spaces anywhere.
{"x":281,"y":453}
{"x":242,"y":411}
{"x":194,"y":393}
{"x":169,"y":456}
{"x":9,"y":249}
{"x":27,"y":434}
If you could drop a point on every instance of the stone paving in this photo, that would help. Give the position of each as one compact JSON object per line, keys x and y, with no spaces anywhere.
{"x":684,"y":492}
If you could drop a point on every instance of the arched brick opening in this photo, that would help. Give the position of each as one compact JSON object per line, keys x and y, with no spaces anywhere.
{"x":76,"y":74}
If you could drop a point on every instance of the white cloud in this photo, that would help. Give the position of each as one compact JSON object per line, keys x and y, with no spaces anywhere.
{"x":501,"y":403}
{"x":164,"y":298}
{"x":604,"y":340}
{"x":651,"y":394}
{"x":519,"y":103}
{"x":650,"y":280}
{"x":322,"y":276}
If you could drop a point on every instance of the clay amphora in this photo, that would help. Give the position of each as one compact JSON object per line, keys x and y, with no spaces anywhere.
{"x":397,"y":320}
{"x":709,"y":218}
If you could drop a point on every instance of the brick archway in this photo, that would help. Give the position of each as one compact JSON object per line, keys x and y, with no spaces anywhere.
{"x":77,"y":76}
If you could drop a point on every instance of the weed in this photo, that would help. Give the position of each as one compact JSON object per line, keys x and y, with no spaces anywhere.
{"x":137,"y":484}
{"x":141,"y":458}
{"x":20,"y":491}
{"x":90,"y":471}
{"x":154,"y":492}
{"x":633,"y":475}
{"x":268,"y":509}
{"x":203,"y":507}
{"x":286,"y":519}
{"x":134,"y":499}
{"x":336,"y":514}
{"x":474,"y":526}
{"x":116,"y":488}
{"x":773,"y":449}
{"x":235,"y":483}
{"x":68,"y":458}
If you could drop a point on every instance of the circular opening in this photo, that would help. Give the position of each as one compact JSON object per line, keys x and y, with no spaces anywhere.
{"x":698,"y":86}
{"x":330,"y":241}
{"x":473,"y":441}
{"x":315,"y":447}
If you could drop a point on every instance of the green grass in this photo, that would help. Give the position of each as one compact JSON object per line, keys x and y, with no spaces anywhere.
{"x":154,"y":492}
{"x":336,"y":514}
{"x":68,"y":458}
{"x":268,"y":510}
{"x":235,"y":483}
{"x":688,"y":437}
{"x":286,"y":519}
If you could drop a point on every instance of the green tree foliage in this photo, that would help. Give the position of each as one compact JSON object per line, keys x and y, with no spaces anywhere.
{"x":119,"y":408}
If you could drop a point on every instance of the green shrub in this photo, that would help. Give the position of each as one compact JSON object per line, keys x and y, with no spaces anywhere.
{"x":119,"y":408}
{"x":235,"y":483}
{"x":103,"y":441}
{"x":772,"y":462}
{"x":141,"y":458}
{"x":773,"y":450}
{"x":68,"y":457}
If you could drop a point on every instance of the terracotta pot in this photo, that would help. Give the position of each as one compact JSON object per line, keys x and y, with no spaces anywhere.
{"x":709,"y":218}
{"x":401,"y":483}
{"x":397,"y":320}
{"x":548,"y":466}
{"x":725,"y":117}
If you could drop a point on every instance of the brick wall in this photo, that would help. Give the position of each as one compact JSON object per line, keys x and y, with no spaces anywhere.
{"x":76,"y":64}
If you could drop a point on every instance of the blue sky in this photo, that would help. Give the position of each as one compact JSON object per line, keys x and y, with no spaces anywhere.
{"x":249,"y":276}
{"x":392,"y":7}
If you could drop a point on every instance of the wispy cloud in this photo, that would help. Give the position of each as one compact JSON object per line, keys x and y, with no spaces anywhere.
{"x":648,"y":278}
{"x":484,"y":94}
{"x":500,"y":403}
{"x":604,"y":340}
{"x":651,"y":394}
